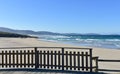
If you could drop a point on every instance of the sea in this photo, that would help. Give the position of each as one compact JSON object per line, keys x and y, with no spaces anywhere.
{"x":101,"y":41}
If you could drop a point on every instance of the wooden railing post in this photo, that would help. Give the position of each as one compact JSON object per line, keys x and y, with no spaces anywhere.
{"x":91,"y":60}
{"x":96,"y":64}
{"x":95,"y":59}
{"x":2,"y":59}
{"x":62,"y":58}
{"x":36,"y":58}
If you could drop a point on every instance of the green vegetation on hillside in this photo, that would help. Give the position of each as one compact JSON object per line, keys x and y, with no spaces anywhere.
{"x":7,"y":34}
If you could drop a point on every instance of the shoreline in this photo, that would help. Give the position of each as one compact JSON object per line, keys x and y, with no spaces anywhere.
{"x":106,"y":44}
{"x":102,"y":53}
{"x":33,"y":42}
{"x":77,"y":45}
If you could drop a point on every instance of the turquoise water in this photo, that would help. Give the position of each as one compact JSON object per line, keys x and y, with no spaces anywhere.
{"x":102,"y":41}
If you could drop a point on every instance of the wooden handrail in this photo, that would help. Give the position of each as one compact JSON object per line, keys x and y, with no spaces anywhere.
{"x":107,"y":60}
{"x":46,"y":47}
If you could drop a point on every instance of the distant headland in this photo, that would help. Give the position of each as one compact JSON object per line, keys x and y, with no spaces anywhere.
{"x":8,"y":34}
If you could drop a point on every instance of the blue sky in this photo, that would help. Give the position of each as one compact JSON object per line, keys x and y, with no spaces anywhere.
{"x":64,"y":16}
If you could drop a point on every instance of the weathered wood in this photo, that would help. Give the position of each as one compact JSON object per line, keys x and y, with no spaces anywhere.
{"x":24,"y":58}
{"x":2,"y":58}
{"x":6,"y":58}
{"x":40,"y":59}
{"x":96,"y":64}
{"x":78,"y":55}
{"x":17,"y":59}
{"x":36,"y":58}
{"x":82,"y":57}
{"x":51,"y":59}
{"x":9,"y":58}
{"x":86,"y":61}
{"x":66,"y":60}
{"x":70,"y":60}
{"x":13,"y":58}
{"x":28,"y":58}
{"x":44,"y":59}
{"x":20,"y":58}
{"x":55,"y":59}
{"x":62,"y":58}
{"x":74,"y":60}
{"x":32,"y":53}
{"x":47,"y":59}
{"x":58,"y":59}
{"x":90,"y":50}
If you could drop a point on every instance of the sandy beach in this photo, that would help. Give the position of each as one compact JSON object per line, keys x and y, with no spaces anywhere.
{"x":102,"y":53}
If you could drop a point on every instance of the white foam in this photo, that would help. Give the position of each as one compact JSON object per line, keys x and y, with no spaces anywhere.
{"x":107,"y":43}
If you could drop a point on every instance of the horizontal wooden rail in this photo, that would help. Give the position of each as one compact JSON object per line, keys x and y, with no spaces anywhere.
{"x":46,"y":47}
{"x":107,"y":60}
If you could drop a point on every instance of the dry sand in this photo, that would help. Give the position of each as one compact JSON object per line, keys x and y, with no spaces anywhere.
{"x":110,"y":54}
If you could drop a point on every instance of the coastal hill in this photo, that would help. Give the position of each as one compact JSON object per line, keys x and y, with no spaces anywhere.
{"x":27,"y":32}
{"x":30,"y":32}
{"x":7,"y":34}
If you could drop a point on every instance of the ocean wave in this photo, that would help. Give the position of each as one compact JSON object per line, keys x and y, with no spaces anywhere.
{"x":77,"y":40}
{"x":113,"y":40}
{"x":54,"y":37}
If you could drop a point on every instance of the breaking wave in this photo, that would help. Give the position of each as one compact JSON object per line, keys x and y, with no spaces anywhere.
{"x":108,"y":42}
